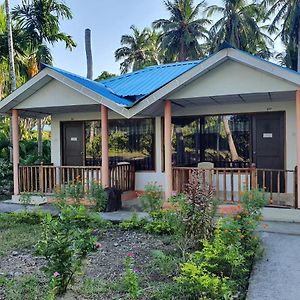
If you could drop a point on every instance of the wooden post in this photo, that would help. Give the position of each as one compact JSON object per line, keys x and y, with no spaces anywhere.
{"x":298,"y":144}
{"x":168,"y":149}
{"x":41,"y":179}
{"x":16,"y":150}
{"x":104,"y":147}
{"x":253,"y":177}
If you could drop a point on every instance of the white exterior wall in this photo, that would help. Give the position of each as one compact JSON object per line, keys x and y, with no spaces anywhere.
{"x":142,"y":178}
{"x":55,"y":94}
{"x":231,"y":78}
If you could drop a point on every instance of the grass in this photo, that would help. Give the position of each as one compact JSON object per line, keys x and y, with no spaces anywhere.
{"x":17,"y":236}
{"x":22,"y":288}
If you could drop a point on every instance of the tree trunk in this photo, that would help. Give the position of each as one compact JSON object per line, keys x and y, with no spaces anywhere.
{"x":182,"y":54}
{"x":89,"y":61}
{"x":232,"y":148}
{"x":12,"y":72}
{"x":89,"y":57}
{"x":40,"y":137}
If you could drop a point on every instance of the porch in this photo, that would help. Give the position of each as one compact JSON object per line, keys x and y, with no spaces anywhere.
{"x":47,"y":180}
{"x":199,"y":114}
{"x":228,"y":183}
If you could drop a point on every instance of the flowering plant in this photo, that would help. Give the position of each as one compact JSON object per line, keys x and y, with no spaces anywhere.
{"x":65,"y":243}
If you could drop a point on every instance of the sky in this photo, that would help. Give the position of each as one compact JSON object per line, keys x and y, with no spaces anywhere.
{"x":108,"y":20}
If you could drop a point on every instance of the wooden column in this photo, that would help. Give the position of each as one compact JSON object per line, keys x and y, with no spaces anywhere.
{"x":168,"y":150}
{"x":104,"y":147}
{"x":298,"y":145}
{"x":16,"y":151}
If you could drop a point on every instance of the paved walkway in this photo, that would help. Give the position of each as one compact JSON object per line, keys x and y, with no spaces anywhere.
{"x":277,"y":275}
{"x":117,"y":216}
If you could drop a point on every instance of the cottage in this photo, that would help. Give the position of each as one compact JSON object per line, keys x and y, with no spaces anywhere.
{"x":233,"y":110}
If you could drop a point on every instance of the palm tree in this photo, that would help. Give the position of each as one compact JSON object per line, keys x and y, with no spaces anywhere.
{"x":40,"y":20}
{"x":135,"y":50}
{"x":182,"y":31}
{"x":239,"y":25}
{"x":286,"y":14}
{"x":12,"y":71}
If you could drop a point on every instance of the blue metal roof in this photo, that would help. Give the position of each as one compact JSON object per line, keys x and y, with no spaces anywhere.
{"x":126,"y":89}
{"x":144,"y":82}
{"x":92,"y":85}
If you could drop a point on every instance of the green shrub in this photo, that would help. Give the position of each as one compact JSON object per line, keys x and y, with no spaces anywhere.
{"x":98,"y":196}
{"x":134,"y":223}
{"x":66,"y":242}
{"x":6,"y":177}
{"x":75,"y":191}
{"x":163,"y":222}
{"x":151,"y":200}
{"x":163,"y":263}
{"x":196,"y":209}
{"x":131,"y":278}
{"x":25,"y":199}
{"x":222,"y":268}
{"x":32,"y":217}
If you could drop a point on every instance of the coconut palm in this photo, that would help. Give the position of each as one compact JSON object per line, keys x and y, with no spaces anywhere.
{"x":19,"y":44}
{"x":40,"y":20}
{"x":135,"y":50}
{"x":12,"y":71}
{"x":239,"y":25}
{"x":286,"y":22}
{"x":183,"y":30}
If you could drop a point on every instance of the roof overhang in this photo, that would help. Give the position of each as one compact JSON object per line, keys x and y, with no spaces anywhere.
{"x":44,"y":77}
{"x":161,"y":94}
{"x":211,"y":63}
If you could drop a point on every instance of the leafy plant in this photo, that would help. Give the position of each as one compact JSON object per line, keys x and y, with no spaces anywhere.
{"x":133,"y":223}
{"x":25,"y":199}
{"x":66,"y":242}
{"x":221,"y":269}
{"x":6,"y":177}
{"x":75,"y":190}
{"x":196,"y":210}
{"x":151,"y":200}
{"x":131,"y":278}
{"x":165,"y":264}
{"x":98,"y":195}
{"x":31,"y":217}
{"x":163,"y":222}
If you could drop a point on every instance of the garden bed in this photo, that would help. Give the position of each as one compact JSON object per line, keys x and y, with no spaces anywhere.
{"x":179,"y":254}
{"x":103,"y":271}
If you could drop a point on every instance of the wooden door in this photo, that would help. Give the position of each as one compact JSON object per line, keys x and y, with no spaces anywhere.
{"x":268,"y":149}
{"x":73,"y":143}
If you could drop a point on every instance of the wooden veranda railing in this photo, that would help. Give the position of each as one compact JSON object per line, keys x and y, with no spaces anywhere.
{"x":44,"y":179}
{"x":230,"y":183}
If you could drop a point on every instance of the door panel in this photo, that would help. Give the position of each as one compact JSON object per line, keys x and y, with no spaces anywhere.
{"x":73,"y":150}
{"x":268,"y":148}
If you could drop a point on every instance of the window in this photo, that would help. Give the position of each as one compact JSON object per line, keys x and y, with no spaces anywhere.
{"x":223,"y":140}
{"x":129,"y":140}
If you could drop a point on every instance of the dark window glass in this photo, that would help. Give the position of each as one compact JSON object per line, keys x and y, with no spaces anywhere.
{"x":223,"y":140}
{"x":129,"y":141}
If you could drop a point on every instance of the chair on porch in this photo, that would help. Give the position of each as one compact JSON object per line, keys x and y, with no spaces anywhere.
{"x":208,"y":171}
